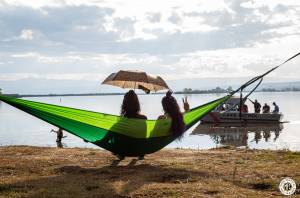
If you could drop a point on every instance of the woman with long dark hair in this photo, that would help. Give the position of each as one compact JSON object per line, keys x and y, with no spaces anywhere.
{"x":131,"y":106}
{"x":172,"y":110}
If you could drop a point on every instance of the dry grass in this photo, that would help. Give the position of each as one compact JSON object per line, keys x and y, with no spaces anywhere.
{"x":52,"y":172}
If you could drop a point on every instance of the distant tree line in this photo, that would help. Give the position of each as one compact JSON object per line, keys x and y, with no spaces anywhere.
{"x":286,"y":89}
{"x":229,"y":89}
{"x":196,"y":91}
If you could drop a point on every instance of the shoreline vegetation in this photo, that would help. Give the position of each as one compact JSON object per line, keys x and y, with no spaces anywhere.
{"x":27,"y":171}
{"x":217,"y":90}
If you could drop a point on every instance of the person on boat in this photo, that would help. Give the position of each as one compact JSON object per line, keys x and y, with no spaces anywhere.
{"x":266,"y":108}
{"x":59,"y":135}
{"x":172,"y":110}
{"x":276,"y":108}
{"x":131,"y":106}
{"x":244,"y":108}
{"x":257,"y":106}
{"x":221,"y":108}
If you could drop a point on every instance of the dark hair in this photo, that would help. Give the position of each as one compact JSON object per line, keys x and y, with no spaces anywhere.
{"x":131,"y":105}
{"x":171,"y":107}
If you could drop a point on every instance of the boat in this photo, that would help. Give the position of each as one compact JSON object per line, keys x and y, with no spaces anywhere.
{"x":229,"y":113}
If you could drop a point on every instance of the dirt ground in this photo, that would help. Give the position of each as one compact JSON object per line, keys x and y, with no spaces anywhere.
{"x":77,"y":172}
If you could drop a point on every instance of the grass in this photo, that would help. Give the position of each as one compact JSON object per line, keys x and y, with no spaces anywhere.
{"x":223,"y":172}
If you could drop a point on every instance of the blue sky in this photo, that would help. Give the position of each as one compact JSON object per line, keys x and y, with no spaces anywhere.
{"x":81,"y":42}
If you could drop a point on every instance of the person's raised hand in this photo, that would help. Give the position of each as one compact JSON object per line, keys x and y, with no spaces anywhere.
{"x":186,"y":104}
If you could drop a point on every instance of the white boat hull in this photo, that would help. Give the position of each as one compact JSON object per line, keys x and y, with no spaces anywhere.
{"x":224,"y":117}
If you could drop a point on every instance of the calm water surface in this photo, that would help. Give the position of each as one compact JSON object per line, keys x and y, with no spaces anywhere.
{"x":19,"y":128}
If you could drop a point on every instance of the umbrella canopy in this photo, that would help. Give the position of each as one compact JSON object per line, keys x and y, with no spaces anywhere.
{"x":136,"y":80}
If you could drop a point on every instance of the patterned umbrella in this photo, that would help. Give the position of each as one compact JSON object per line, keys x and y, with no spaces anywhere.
{"x":136,"y":80}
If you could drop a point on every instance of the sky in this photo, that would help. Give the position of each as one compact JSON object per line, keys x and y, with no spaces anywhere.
{"x":55,"y":46}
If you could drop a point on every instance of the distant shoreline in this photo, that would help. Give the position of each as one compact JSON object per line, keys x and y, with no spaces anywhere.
{"x":112,"y":94}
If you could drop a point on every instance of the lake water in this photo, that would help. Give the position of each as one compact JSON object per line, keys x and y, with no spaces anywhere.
{"x":19,"y":128}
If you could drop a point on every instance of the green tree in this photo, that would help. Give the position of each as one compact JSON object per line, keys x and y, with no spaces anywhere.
{"x":218,"y":90}
{"x":229,"y":89}
{"x":187,"y":90}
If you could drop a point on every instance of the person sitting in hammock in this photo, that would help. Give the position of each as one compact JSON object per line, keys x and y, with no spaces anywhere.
{"x":172,"y":110}
{"x":131,"y":106}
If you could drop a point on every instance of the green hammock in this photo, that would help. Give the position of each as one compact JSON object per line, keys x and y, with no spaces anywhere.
{"x":126,"y":136}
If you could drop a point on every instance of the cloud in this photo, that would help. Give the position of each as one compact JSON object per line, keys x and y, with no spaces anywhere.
{"x":54,"y":76}
{"x":105,"y":30}
{"x":58,"y":29}
{"x":154,"y":17}
{"x":175,"y":39}
{"x":175,"y":18}
{"x":27,"y":34}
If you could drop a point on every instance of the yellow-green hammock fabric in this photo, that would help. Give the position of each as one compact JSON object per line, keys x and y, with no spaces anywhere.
{"x":126,"y":136}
